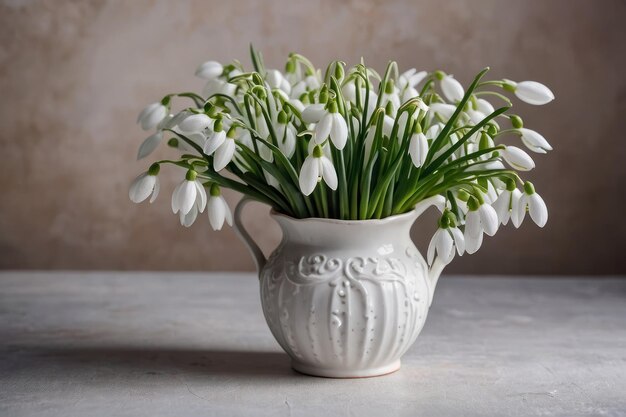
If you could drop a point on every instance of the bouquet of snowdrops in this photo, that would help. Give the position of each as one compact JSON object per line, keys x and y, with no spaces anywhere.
{"x":348,"y":143}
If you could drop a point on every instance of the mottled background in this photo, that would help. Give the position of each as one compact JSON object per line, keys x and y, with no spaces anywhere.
{"x":74,"y":75}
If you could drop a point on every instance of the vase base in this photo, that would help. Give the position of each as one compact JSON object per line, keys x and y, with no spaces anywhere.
{"x":345,"y":373}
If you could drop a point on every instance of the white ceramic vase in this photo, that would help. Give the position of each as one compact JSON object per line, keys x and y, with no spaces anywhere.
{"x":344,"y":298}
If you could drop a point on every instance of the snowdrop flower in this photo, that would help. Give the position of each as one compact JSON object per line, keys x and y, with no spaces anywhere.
{"x":152,"y":115}
{"x":445,"y":111}
{"x":517,"y":158}
{"x":210,"y":70}
{"x":276,"y":80}
{"x":484,"y":106}
{"x":390,"y":95}
{"x":144,"y":185}
{"x":217,"y":86}
{"x":222,"y":144}
{"x":218,"y":209}
{"x":451,"y":88}
{"x":187,"y":194}
{"x":316,"y":167}
{"x":149,"y":145}
{"x":313,"y":113}
{"x":506,"y":202}
{"x":195,"y":123}
{"x":286,"y":135}
{"x":411,"y":78}
{"x":534,"y":140}
{"x":418,"y":146}
{"x":530,"y":92}
{"x":480,"y":218}
{"x":532,"y":202}
{"x":444,"y":241}
{"x":333,"y":125}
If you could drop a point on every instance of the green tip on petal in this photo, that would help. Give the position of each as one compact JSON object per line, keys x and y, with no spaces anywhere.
{"x":529,"y":188}
{"x":510,"y":184}
{"x":389,"y":87}
{"x":154,"y":169}
{"x":516,"y":121}
{"x":473,"y":203}
{"x":339,"y":72}
{"x":389,"y":109}
{"x":215,"y":191}
{"x":317,"y":151}
{"x":463,"y":195}
{"x":509,"y":86}
{"x":191,"y":175}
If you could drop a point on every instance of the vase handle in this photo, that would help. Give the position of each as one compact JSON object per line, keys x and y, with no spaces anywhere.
{"x":257,"y":254}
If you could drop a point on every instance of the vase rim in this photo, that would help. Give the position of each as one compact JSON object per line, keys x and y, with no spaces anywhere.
{"x":384,"y":220}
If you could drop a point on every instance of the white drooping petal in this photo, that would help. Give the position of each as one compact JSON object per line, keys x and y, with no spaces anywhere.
{"x":533,"y":92}
{"x":172,"y":122}
{"x":195,"y":123}
{"x":473,"y":227}
{"x":349,"y":92}
{"x":445,"y":246}
{"x":149,"y":145}
{"x":224,"y":154}
{"x":445,"y":111}
{"x":322,"y":129}
{"x":418,"y":149}
{"x":313,"y":113}
{"x":155,"y":191}
{"x":488,"y":219}
{"x":430,"y":254}
{"x":142,"y":187}
{"x":534,"y":140}
{"x":517,"y":158}
{"x":309,"y":175}
{"x":215,"y":141}
{"x":409,"y":93}
{"x":287,"y":143}
{"x":473,"y":243}
{"x":459,"y":240}
{"x":502,"y":206}
{"x":200,"y":196}
{"x":434,"y":130}
{"x":227,"y":213}
{"x":338,"y":131}
{"x":475,"y":116}
{"x":186,"y":196}
{"x":188,"y":219}
{"x":328,"y":172}
{"x":484,"y":106}
{"x":519,"y":210}
{"x":217,"y":86}
{"x":537,"y":209}
{"x":452,"y":89}
{"x":217,"y":211}
{"x":152,"y":115}
{"x":209,"y":70}
{"x":148,"y":109}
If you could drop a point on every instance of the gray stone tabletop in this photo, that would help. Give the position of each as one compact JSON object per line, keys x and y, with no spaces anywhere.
{"x":196,"y":344}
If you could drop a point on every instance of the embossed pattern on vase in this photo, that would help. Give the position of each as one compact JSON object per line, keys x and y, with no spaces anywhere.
{"x":348,"y":313}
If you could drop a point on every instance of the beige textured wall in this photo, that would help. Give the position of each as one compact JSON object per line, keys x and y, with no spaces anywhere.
{"x":74,"y":74}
